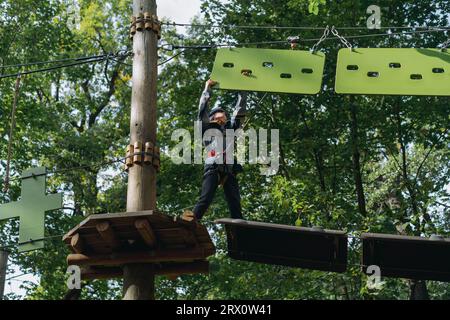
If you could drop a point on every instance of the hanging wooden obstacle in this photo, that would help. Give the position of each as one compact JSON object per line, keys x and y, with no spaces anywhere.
{"x":269,"y":70}
{"x":308,"y":248}
{"x":393,"y":71}
{"x":407,"y":257}
{"x":103,"y":243}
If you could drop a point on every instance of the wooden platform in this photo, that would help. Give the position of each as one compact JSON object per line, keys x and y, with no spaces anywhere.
{"x":103,"y":243}
{"x":407,"y":257}
{"x":285,"y":245}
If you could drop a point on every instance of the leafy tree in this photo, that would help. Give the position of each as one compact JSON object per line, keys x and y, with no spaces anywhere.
{"x":361,"y":163}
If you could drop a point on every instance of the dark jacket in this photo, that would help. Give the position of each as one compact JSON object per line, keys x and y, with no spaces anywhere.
{"x":234,"y":123}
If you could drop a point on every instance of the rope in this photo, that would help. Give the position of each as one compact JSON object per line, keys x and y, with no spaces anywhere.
{"x":79,"y":61}
{"x":210,"y":26}
{"x":171,"y":58}
{"x":52,"y":68}
{"x":170,"y":47}
{"x":247,"y":121}
{"x":11,"y":132}
{"x":30,"y":241}
{"x":36,"y":63}
{"x":71,"y":169}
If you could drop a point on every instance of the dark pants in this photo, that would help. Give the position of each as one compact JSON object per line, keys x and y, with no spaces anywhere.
{"x":209,"y":187}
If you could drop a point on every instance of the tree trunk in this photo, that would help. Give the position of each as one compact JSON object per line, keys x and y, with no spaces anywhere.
{"x":356,"y":158}
{"x":139,"y":279}
{"x":419,"y":290}
{"x":72,"y":294}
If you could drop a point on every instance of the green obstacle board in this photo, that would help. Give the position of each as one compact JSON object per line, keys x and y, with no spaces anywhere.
{"x":31,"y":209}
{"x":393,"y":72}
{"x":269,"y":70}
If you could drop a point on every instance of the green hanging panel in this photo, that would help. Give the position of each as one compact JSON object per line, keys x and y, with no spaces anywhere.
{"x":393,"y":72}
{"x":31,"y":209}
{"x":269,"y":70}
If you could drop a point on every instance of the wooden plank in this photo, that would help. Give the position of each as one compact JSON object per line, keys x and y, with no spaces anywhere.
{"x":408,"y":257}
{"x":136,"y":257}
{"x":407,"y":239}
{"x":203,"y":239}
{"x":146,"y":232}
{"x":172,"y":236}
{"x":190,"y":239}
{"x":107,"y":233}
{"x":171,"y":270}
{"x":277,"y":227}
{"x":93,"y":240}
{"x":164,"y":236}
{"x":122,"y":218}
{"x":74,"y":230}
{"x":77,"y":243}
{"x":106,"y":241}
{"x":209,"y":248}
{"x":202,"y":234}
{"x":89,"y":226}
{"x":88,"y":273}
{"x":179,"y":246}
{"x":308,"y":248}
{"x":192,"y":225}
{"x":199,"y":231}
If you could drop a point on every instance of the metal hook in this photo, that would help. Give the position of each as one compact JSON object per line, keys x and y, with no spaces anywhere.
{"x":343,"y":40}
{"x":325,"y":34}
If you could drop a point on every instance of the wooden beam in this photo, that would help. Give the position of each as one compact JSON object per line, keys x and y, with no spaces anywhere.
{"x":399,"y":256}
{"x":189,"y":237}
{"x":118,"y":259}
{"x":106,"y":232}
{"x":209,"y":248}
{"x":192,"y":225}
{"x":121,"y":218}
{"x":309,"y":248}
{"x":171,"y":270}
{"x":103,"y":274}
{"x":77,"y":243}
{"x":146,"y":232}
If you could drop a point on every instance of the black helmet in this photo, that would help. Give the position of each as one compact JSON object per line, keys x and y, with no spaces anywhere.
{"x":215,"y":110}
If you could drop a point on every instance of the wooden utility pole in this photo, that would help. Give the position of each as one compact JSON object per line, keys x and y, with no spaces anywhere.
{"x":3,"y":264}
{"x":139,"y":279}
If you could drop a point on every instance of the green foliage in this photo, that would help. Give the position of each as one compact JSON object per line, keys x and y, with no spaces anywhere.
{"x":80,"y":116}
{"x":314,"y":6}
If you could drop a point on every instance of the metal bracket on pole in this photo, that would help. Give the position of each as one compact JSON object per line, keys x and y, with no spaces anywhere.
{"x":145,"y":21}
{"x":136,"y":155}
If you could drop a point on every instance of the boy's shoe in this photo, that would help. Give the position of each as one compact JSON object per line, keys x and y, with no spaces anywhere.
{"x":189,"y":216}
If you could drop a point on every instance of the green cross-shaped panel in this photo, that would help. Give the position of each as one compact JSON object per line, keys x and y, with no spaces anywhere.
{"x":269,"y":70}
{"x":401,"y":71}
{"x":31,"y":209}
